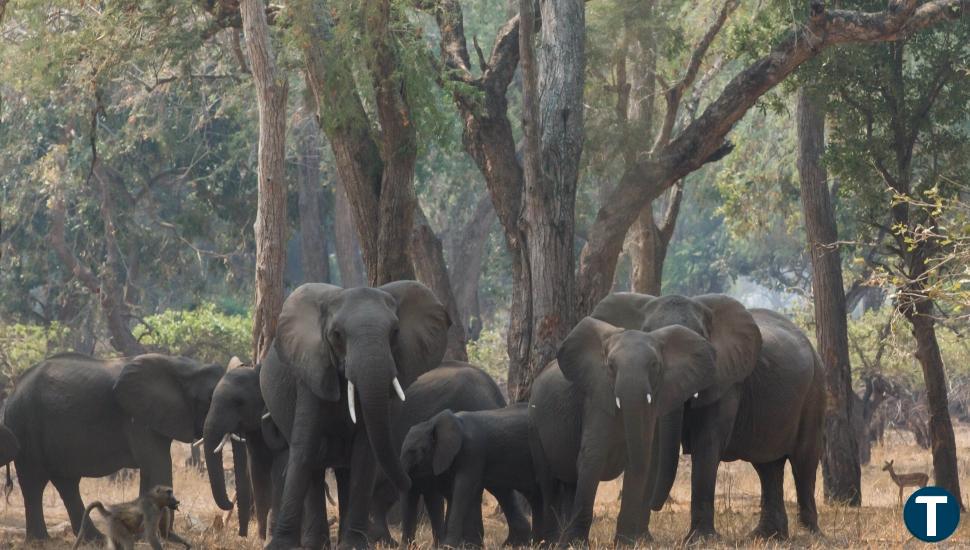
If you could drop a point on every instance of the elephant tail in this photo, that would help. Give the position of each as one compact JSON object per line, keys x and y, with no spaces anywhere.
{"x":8,"y":487}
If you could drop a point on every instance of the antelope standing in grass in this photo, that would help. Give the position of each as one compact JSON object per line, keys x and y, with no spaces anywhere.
{"x":916,"y":479}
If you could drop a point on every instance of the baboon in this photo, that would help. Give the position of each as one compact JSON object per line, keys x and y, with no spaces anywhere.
{"x":140,"y":517}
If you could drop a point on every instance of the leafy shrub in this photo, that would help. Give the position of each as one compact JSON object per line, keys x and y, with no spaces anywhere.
{"x":489,"y":352}
{"x":205,"y":333}
{"x":22,"y":346}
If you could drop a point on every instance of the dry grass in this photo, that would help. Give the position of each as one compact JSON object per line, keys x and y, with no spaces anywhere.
{"x":878,"y":524}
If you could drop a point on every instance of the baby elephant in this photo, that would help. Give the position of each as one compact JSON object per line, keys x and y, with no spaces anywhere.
{"x":472,"y":451}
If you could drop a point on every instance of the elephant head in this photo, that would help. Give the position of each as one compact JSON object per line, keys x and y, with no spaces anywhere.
{"x":639,"y":373}
{"x":430,"y":447}
{"x":372,"y":341}
{"x":169,"y":394}
{"x":719,"y":319}
{"x":234,"y":415}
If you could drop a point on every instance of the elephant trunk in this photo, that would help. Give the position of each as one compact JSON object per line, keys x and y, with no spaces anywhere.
{"x":213,"y":435}
{"x":667,"y":441}
{"x":375,"y":392}
{"x":244,"y":489}
{"x":639,"y":420}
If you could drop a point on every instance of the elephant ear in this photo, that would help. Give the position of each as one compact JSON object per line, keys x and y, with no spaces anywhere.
{"x":152,"y":389}
{"x":447,"y":441}
{"x":736,"y":339}
{"x":423,"y":324}
{"x":582,"y":360}
{"x":300,"y":342}
{"x":622,"y":309}
{"x":688,"y":365}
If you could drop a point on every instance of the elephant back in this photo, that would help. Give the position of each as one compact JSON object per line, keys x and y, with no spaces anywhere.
{"x":622,"y":309}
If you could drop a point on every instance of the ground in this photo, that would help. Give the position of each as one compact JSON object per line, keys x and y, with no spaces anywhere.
{"x":877,"y":524}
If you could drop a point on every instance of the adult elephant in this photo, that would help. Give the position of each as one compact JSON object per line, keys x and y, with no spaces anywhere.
{"x":765,"y":405}
{"x":9,"y":446}
{"x":236,"y":417}
{"x":593,"y":412}
{"x":77,"y":416}
{"x":339,"y":357}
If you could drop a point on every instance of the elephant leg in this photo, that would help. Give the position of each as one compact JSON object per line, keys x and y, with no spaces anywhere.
{"x":591,"y":462}
{"x":710,"y":430}
{"x":519,"y":529}
{"x":32,"y":484}
{"x":385,"y":495}
{"x":70,"y":493}
{"x":316,"y":527}
{"x":409,"y":517}
{"x":804,"y":467}
{"x":362,"y":477}
{"x":633,"y":521}
{"x":278,"y":476}
{"x":773,"y":522}
{"x":434,"y":503}
{"x":466,"y":499}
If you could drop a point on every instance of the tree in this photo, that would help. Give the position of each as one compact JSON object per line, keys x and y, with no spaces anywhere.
{"x":840,"y":461}
{"x":314,"y":253}
{"x":271,"y":222}
{"x":900,"y":138}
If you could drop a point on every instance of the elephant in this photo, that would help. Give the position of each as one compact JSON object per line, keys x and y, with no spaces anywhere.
{"x":592,"y":414}
{"x":76,"y":416}
{"x":338,"y":359}
{"x":9,"y":445}
{"x":236,"y":416}
{"x":471,"y":451}
{"x":455,"y":386}
{"x":766,"y":405}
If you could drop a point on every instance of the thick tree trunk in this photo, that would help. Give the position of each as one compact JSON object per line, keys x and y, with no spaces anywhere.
{"x":346,"y":245}
{"x":840,"y":462}
{"x":430,"y":268}
{"x":467,"y":258}
{"x":314,"y":253}
{"x":551,"y":155}
{"x":270,"y":226}
{"x":647,"y":254}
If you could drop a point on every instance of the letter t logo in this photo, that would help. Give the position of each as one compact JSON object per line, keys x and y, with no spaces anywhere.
{"x":930,"y":502}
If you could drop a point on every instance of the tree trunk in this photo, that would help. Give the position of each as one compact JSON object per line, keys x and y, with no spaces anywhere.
{"x":314,"y":255}
{"x":430,"y":268}
{"x":551,"y":156}
{"x":467,"y":258}
{"x":840,"y":462}
{"x":346,"y":245}
{"x":270,"y":226}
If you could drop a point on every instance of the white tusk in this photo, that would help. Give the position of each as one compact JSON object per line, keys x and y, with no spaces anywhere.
{"x":197,"y":443}
{"x":618,"y":402}
{"x":265,"y":416}
{"x":350,"y":401}
{"x":649,"y":398}
{"x":696,"y":394}
{"x":397,"y":388}
{"x":238,"y":438}
{"x":225,"y":439}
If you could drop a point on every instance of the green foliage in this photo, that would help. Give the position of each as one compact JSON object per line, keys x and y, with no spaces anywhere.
{"x":205,"y":333}
{"x":490,"y":353}
{"x":22,"y":345}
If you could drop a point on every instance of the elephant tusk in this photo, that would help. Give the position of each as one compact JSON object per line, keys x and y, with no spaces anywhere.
{"x":225,"y":439}
{"x":649,"y":398}
{"x":696,"y":394}
{"x":265,"y":416}
{"x":618,"y":403}
{"x":238,"y":438}
{"x":198,"y":442}
{"x":397,"y":388}
{"x":350,"y":401}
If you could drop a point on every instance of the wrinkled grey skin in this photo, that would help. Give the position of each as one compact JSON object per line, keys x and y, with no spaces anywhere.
{"x":593,"y":412}
{"x":472,"y":451}
{"x":237,"y":408}
{"x":76,"y":416}
{"x":459,"y":387}
{"x":765,"y":406}
{"x":326,"y":337}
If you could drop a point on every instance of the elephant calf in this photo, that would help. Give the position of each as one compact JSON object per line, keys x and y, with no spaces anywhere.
{"x":473,"y":451}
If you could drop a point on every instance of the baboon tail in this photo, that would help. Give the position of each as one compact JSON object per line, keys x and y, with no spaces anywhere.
{"x":86,"y":519}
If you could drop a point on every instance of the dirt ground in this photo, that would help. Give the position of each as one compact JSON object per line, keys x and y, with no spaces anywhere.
{"x":877,"y":524}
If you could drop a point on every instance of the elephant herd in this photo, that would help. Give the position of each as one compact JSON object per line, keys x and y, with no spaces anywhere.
{"x":355,"y":382}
